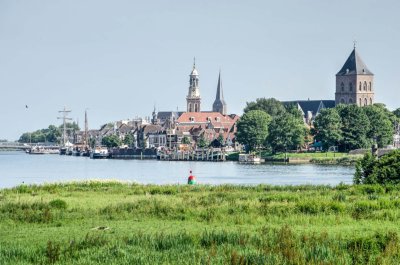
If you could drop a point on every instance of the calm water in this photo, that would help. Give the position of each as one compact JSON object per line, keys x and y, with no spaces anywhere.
{"x":17,"y":168}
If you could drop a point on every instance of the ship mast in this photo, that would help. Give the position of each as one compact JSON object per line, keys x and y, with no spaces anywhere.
{"x":86,"y":130}
{"x":64,"y":118}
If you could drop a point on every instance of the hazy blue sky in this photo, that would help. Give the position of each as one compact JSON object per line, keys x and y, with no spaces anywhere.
{"x":119,"y":58}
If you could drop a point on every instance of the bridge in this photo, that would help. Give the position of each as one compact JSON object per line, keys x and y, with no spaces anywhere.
{"x":14,"y":146}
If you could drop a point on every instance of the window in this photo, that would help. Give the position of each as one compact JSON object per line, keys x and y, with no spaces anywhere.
{"x":365,"y":102}
{"x":350,"y":101}
{"x":365,"y":86}
{"x":351,"y":86}
{"x":342,"y":86}
{"x":217,"y":119}
{"x":209,"y":119}
{"x":342,"y":101}
{"x":359,"y":87}
{"x":190,"y":107}
{"x":370,"y":86}
{"x":191,"y":119}
{"x":370,"y":101}
{"x":360,"y":102}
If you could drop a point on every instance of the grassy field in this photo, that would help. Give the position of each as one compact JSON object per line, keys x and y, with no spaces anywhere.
{"x":115,"y":223}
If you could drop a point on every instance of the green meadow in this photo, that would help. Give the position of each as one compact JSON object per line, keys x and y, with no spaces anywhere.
{"x":122,"y":223}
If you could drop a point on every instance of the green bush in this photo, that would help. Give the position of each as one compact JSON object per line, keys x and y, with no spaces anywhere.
{"x":58,"y":204}
{"x":383,"y":170}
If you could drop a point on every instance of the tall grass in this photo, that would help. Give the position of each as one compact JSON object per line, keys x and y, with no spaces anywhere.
{"x":115,"y":223}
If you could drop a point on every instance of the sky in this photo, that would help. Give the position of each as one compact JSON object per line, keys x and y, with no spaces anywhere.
{"x":118,"y":59}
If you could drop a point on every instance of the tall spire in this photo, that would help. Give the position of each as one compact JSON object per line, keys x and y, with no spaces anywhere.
{"x":220,"y":93}
{"x":219,"y":103}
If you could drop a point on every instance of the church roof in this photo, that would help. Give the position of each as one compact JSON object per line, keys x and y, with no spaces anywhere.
{"x":314,"y":106}
{"x":354,"y":65}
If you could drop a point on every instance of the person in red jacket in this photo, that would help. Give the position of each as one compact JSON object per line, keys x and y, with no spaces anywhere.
{"x":191,"y":179}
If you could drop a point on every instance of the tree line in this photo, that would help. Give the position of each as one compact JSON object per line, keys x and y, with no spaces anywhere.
{"x":51,"y":134}
{"x":268,"y":124}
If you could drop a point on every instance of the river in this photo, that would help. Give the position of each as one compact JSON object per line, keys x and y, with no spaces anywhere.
{"x":17,"y":168}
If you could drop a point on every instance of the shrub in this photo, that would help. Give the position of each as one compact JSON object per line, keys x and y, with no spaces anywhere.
{"x":58,"y":204}
{"x":385,"y":170}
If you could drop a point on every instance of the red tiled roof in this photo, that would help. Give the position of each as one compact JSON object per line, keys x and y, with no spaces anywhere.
{"x":204,"y":117}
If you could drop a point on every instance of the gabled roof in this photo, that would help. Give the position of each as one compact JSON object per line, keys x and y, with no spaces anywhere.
{"x":314,"y":106}
{"x":354,"y":65}
{"x":165,"y":115}
{"x":151,"y":128}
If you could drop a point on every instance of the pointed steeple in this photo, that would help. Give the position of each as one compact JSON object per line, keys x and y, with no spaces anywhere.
{"x":219,"y":103}
{"x":354,"y":65}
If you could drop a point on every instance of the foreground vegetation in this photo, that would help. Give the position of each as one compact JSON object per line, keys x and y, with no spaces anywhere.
{"x":115,"y":223}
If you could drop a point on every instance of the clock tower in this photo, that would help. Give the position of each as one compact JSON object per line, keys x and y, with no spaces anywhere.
{"x":193,"y":98}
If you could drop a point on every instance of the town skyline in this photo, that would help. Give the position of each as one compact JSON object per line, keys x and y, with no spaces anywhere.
{"x":107,"y":62}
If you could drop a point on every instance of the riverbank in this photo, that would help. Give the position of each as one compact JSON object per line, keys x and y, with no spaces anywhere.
{"x":116,"y":223}
{"x":320,"y":158}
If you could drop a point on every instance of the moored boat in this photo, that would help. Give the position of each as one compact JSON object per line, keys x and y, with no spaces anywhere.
{"x":99,"y":153}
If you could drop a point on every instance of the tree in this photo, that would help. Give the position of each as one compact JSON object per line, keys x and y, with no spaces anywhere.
{"x":385,"y":170}
{"x":271,"y":106}
{"x":92,"y":142}
{"x":221,"y":139}
{"x":252,"y":129}
{"x":185,"y":140}
{"x":111,"y":141}
{"x":355,"y":127}
{"x":397,"y":113}
{"x":50,"y":134}
{"x":202,"y":142}
{"x":286,"y":131}
{"x":327,"y":128}
{"x":381,"y":127}
{"x":129,"y":139}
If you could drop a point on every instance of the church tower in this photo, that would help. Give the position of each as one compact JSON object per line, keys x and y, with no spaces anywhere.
{"x":193,"y":98}
{"x":354,"y":82}
{"x":219,"y":103}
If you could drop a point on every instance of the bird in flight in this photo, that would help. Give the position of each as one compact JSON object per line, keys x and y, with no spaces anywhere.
{"x":26,"y":106}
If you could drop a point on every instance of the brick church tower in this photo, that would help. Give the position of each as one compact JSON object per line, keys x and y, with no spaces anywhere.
{"x":354,"y":82}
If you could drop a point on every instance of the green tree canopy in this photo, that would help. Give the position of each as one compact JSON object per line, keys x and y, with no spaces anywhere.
{"x":327,"y":128}
{"x":385,"y":170}
{"x":185,"y":140}
{"x":355,"y":127}
{"x":252,"y":129}
{"x":202,"y":142}
{"x":50,"y":134}
{"x":286,"y":131}
{"x":111,"y":141}
{"x":381,"y":126}
{"x":129,"y":139}
{"x":271,"y":106}
{"x":397,"y":113}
